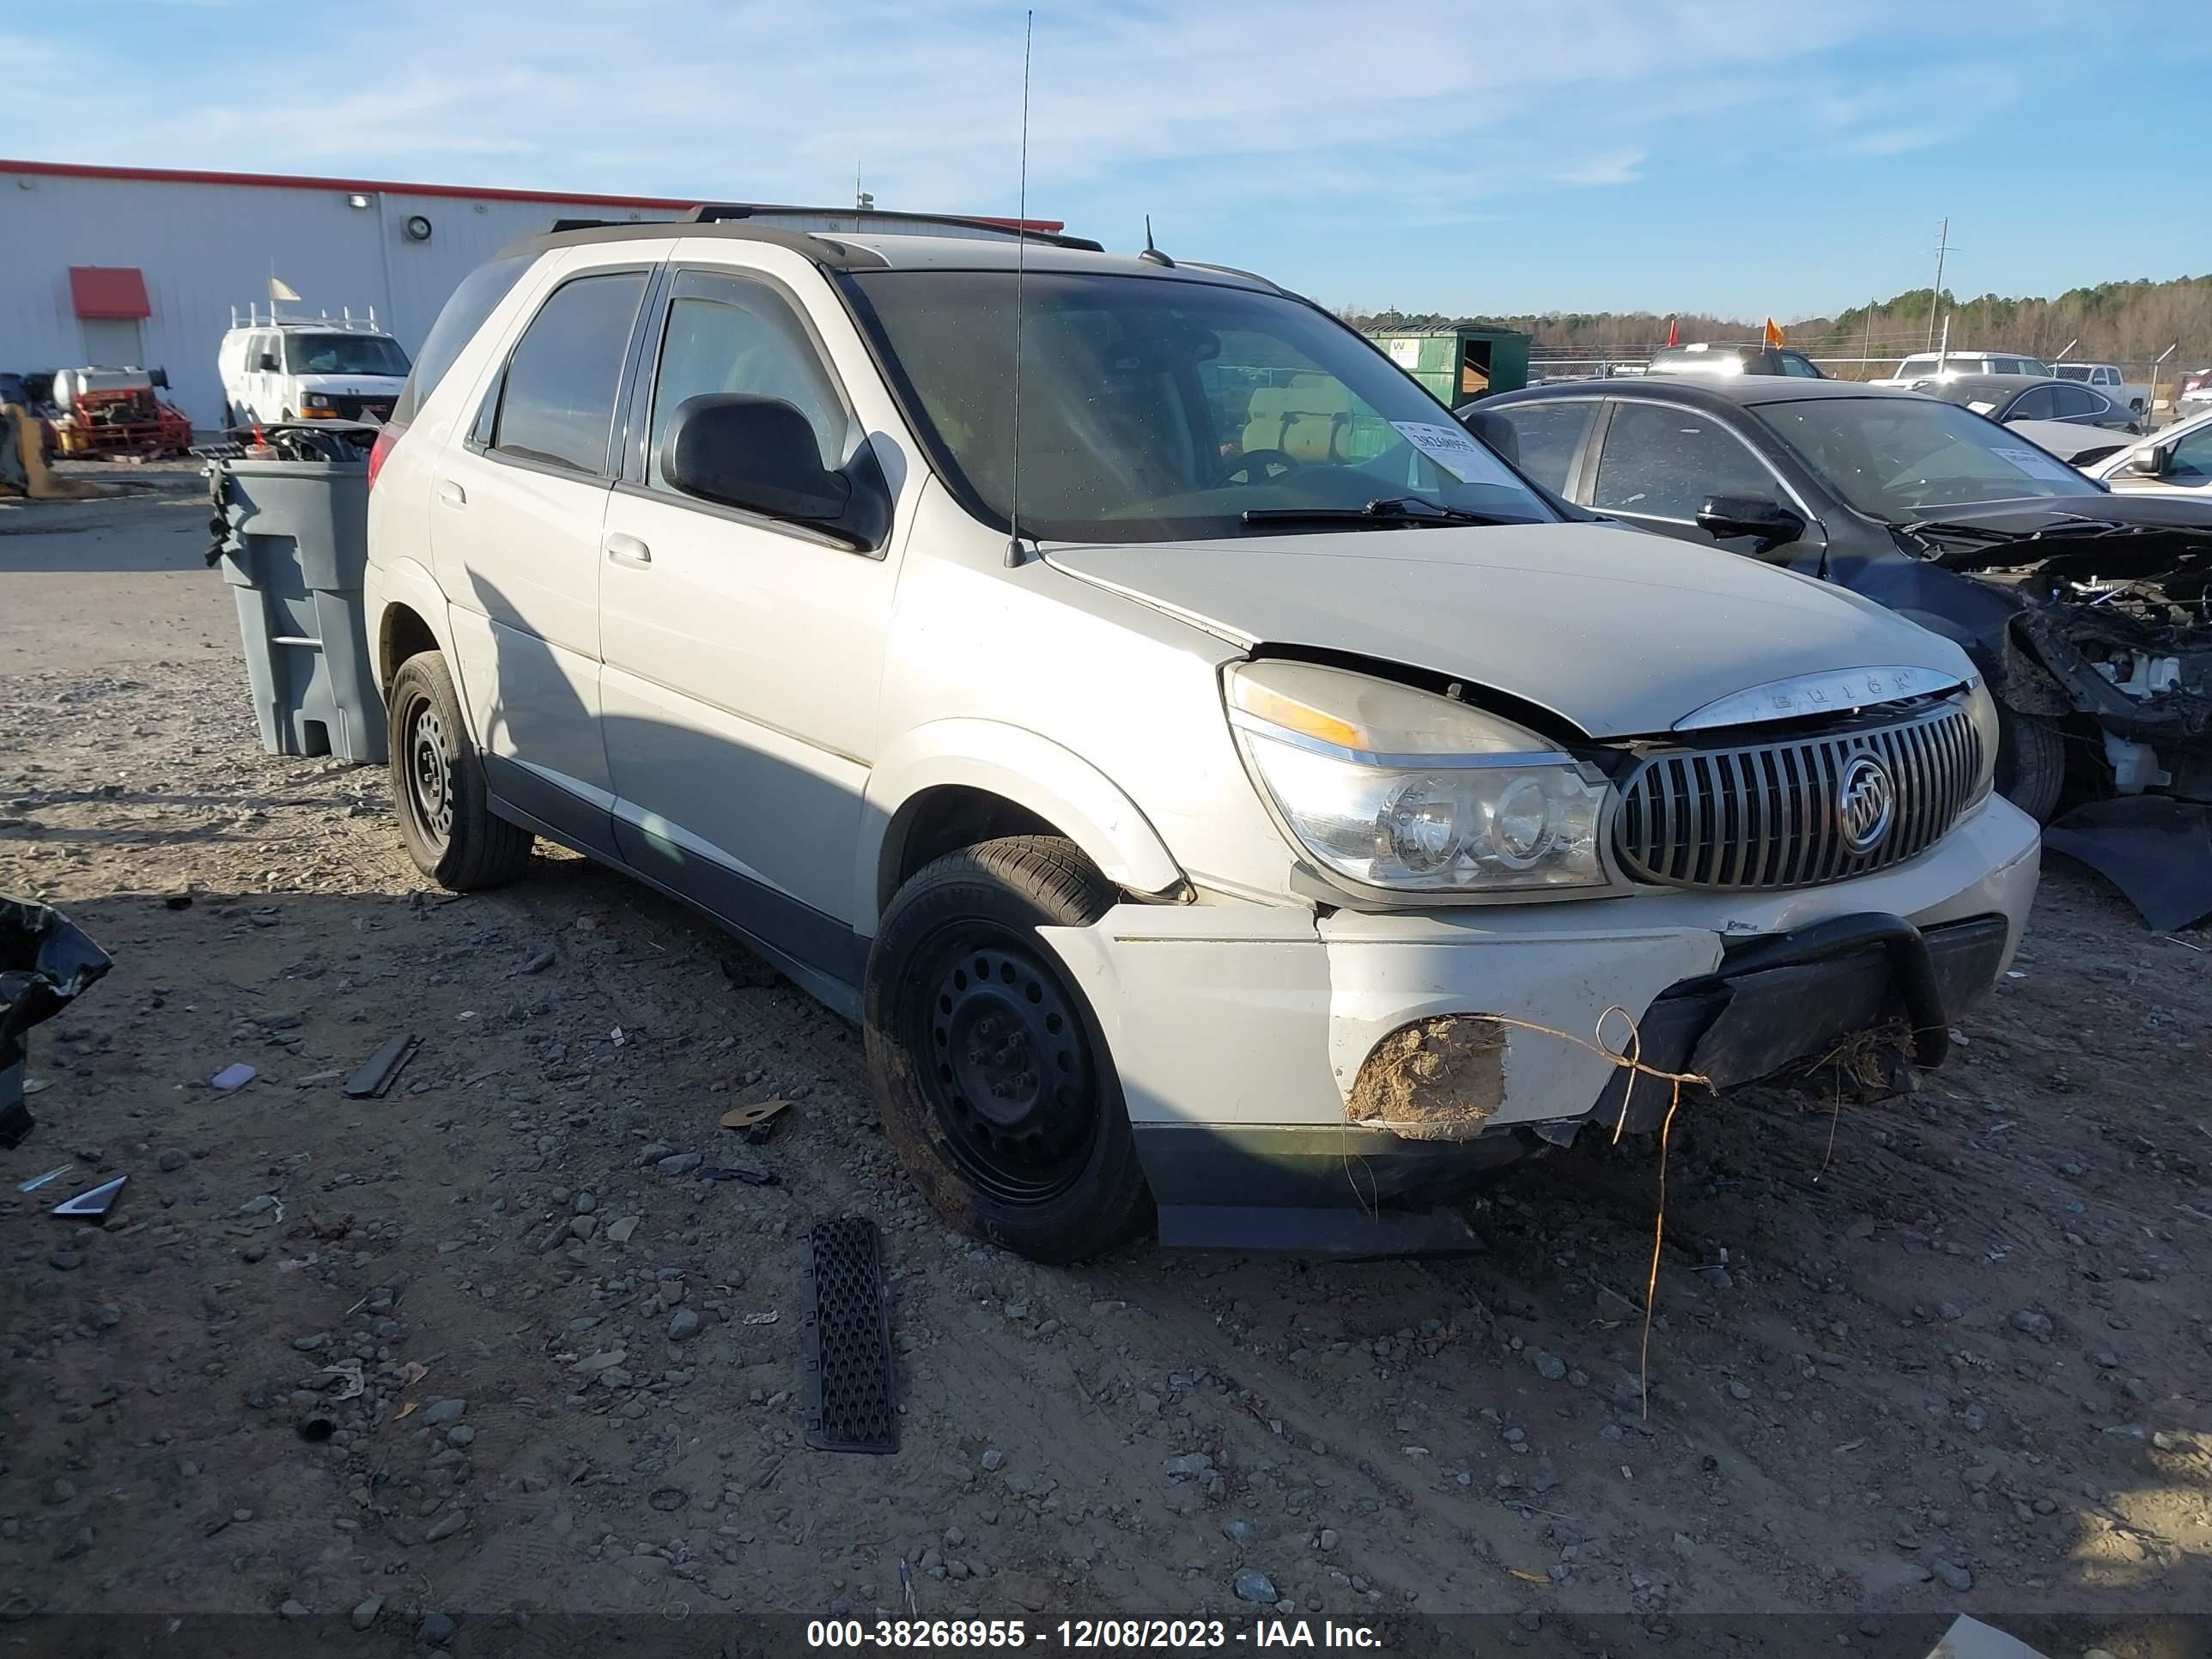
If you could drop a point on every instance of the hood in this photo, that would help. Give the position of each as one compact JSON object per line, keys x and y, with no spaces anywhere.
{"x":1619,"y":633}
{"x":2130,"y":536}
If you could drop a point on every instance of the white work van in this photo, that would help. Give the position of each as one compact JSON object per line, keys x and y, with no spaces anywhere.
{"x":345,"y":370}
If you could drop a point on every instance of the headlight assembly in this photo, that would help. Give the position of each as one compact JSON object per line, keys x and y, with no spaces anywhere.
{"x":1394,"y":789}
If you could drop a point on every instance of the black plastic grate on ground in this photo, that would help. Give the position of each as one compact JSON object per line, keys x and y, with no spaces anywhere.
{"x":846,"y":1329}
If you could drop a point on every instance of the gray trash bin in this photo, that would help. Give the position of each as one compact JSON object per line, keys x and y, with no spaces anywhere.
{"x":296,"y":544}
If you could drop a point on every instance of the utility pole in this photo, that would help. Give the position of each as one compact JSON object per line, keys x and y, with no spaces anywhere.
{"x":1935,"y":299}
{"x":862,"y":201}
{"x":1866,"y":345}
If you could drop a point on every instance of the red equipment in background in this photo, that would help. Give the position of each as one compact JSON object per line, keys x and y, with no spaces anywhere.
{"x":113,"y":413}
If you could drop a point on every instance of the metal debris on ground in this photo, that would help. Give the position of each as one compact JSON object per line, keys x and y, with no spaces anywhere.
{"x":39,"y":1181}
{"x":232,"y":1078}
{"x":96,"y":1202}
{"x":375,"y":1074}
{"x":845,"y":1338}
{"x":45,"y":961}
{"x":751,"y":1178}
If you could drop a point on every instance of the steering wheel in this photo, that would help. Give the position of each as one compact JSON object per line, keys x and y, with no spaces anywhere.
{"x":1244,"y":461}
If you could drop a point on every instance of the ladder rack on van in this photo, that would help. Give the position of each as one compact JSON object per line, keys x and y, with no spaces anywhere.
{"x":345,"y":320}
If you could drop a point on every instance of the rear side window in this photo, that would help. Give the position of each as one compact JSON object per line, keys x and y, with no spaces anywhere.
{"x":1549,"y":434}
{"x":1661,"y":463}
{"x":1803,"y":368}
{"x":2069,"y":400}
{"x":558,"y":402}
{"x":476,"y":299}
{"x":2036,"y":404}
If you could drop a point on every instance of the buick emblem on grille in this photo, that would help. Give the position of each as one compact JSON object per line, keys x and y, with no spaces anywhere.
{"x":1866,"y":803}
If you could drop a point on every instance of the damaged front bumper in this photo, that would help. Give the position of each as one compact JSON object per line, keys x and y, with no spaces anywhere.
{"x":1309,"y":1083}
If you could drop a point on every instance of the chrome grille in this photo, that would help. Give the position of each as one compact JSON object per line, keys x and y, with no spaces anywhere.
{"x":1765,"y":815}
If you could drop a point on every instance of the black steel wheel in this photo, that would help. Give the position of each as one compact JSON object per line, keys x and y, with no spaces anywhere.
{"x":993,"y":1076}
{"x":1010,"y":1075}
{"x":437,"y":783}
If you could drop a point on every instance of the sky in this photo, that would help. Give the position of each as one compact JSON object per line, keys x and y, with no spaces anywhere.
{"x":1741,"y":157}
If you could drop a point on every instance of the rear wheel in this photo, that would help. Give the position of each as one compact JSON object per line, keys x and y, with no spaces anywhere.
{"x":2031,"y":762}
{"x":995,"y":1083}
{"x":438,"y":785}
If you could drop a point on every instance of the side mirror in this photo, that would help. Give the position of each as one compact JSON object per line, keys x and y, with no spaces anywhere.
{"x":266,"y":363}
{"x":1490,"y":428}
{"x":1726,"y":517}
{"x":757,"y":453}
{"x":2153,"y":462}
{"x":160,"y":377}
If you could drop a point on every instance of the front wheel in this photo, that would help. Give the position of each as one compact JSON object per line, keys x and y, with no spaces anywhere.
{"x":438,"y":785}
{"x":993,"y":1080}
{"x":2031,"y":762}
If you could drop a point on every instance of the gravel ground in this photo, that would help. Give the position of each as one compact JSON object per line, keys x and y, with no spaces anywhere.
{"x":1957,"y":1363}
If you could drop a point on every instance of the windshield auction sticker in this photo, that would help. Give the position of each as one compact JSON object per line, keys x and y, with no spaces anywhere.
{"x":2035,"y":463}
{"x":1457,"y":453}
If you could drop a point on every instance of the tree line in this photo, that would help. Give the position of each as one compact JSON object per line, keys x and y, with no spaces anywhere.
{"x":2122,"y":322}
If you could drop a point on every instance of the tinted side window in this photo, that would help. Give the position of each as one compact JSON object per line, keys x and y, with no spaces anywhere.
{"x":2192,"y":459}
{"x":1662,"y":463}
{"x":727,"y":334}
{"x":558,"y":405}
{"x":476,"y":299}
{"x":2035,"y":404}
{"x":1803,"y":368}
{"x":1549,"y":434}
{"x":2068,"y":400}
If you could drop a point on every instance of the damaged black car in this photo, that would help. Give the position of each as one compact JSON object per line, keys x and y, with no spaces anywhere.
{"x":2087,"y":611}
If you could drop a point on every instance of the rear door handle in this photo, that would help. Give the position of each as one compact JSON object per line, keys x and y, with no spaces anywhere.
{"x":452,"y":494}
{"x":627,"y":550}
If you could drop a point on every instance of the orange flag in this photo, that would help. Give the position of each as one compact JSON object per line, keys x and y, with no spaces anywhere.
{"x":1774,"y":335}
{"x":1674,"y":333}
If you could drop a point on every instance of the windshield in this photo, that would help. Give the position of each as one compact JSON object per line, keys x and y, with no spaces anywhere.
{"x":1901,"y":459}
{"x":344,"y":354}
{"x":1155,"y":409}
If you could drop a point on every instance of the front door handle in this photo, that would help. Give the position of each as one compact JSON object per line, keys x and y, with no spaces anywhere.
{"x":452,"y":494}
{"x":627,"y":550}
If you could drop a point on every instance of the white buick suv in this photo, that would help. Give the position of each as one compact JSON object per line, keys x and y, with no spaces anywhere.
{"x":1223,"y":791}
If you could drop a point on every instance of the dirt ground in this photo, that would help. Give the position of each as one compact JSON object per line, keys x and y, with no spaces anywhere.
{"x":1959,"y":1363}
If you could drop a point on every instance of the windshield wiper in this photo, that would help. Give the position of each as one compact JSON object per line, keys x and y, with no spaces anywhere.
{"x":1390,"y":512}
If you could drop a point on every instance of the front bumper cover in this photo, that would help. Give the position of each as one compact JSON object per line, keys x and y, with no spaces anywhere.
{"x":1776,"y":1003}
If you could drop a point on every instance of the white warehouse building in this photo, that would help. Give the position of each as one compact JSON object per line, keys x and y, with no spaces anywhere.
{"x":142,"y":267}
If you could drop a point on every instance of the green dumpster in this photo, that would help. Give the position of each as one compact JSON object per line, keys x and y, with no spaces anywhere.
{"x":1458,"y":364}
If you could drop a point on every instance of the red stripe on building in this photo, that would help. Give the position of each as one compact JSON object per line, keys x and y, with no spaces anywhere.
{"x":558,"y":198}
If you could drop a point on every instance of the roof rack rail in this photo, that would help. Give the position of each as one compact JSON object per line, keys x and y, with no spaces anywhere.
{"x":716,"y":213}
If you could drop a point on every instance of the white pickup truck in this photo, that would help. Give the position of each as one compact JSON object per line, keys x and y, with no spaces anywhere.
{"x":2108,"y":379}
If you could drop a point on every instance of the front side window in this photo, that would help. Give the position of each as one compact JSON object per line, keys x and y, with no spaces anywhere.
{"x":724,"y":334}
{"x":1659,"y":462}
{"x":559,"y":401}
{"x":1905,"y":457}
{"x":1160,"y":408}
{"x":344,"y":354}
{"x":2192,"y":459}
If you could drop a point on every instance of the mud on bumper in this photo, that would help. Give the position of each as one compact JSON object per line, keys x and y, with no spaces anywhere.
{"x":1774,"y":1003}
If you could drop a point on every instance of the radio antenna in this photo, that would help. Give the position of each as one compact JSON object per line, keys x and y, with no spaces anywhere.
{"x":1021,"y":265}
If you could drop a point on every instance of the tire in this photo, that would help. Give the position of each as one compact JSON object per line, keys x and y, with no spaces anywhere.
{"x":2031,"y":762}
{"x":438,"y":785}
{"x":1049,"y":1170}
